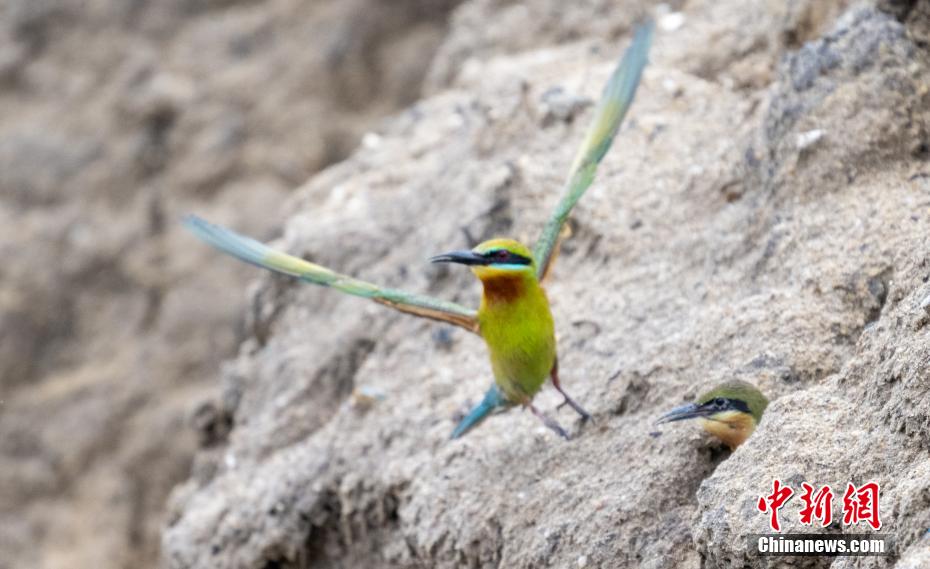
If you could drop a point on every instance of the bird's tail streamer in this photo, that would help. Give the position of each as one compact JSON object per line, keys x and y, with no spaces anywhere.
{"x":492,"y":401}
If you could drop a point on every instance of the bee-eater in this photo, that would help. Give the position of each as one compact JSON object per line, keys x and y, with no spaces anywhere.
{"x":729,"y":411}
{"x":514,"y":317}
{"x":516,"y":323}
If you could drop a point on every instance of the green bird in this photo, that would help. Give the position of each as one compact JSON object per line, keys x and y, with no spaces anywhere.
{"x":514,"y":316}
{"x":729,"y":411}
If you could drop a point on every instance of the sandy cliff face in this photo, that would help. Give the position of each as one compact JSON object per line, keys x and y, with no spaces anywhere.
{"x":115,"y":118}
{"x":762,"y":216}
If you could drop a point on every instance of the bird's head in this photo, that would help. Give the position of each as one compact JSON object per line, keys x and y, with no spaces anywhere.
{"x":730,"y":411}
{"x":494,"y":258}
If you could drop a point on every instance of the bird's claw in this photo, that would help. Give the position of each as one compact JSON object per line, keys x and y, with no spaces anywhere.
{"x":561,"y":432}
{"x":550,"y":423}
{"x":585,"y":416}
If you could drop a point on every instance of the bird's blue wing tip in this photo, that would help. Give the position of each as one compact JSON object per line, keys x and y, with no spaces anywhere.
{"x":647,"y":26}
{"x":637,"y":54}
{"x":642,"y":34}
{"x":622,"y":85}
{"x":226,"y":240}
{"x":642,"y":40}
{"x":211,"y":232}
{"x":196,"y":223}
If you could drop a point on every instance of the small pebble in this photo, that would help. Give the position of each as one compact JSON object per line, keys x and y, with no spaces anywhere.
{"x":672,"y":87}
{"x":364,"y":397}
{"x":371,"y":140}
{"x":809,"y":138}
{"x":560,"y":105}
{"x":672,"y":21}
{"x":442,"y":337}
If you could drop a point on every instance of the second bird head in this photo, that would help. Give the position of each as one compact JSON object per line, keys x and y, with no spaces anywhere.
{"x":493,"y":258}
{"x":729,"y":411}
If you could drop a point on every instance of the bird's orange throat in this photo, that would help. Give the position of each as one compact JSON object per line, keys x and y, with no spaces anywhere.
{"x":733,"y":428}
{"x":503,"y":289}
{"x":502,"y":285}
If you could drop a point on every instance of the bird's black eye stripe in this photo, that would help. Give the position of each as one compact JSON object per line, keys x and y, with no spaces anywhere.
{"x":505,"y":257}
{"x":726,"y":404}
{"x":739,"y":405}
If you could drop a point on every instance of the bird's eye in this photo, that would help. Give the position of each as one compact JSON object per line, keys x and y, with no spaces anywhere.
{"x":501,"y":254}
{"x":720,"y":402}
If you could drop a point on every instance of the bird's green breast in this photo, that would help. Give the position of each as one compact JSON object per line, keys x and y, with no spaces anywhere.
{"x":517,"y":326}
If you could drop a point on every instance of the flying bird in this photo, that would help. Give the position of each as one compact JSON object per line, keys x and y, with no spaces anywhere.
{"x":729,"y":411}
{"x":513,"y":318}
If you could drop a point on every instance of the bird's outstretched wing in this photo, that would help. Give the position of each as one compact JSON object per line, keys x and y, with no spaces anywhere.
{"x":616,"y":99}
{"x":260,"y":255}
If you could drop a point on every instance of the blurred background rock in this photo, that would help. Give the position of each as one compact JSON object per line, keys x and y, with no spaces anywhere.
{"x":116,"y":117}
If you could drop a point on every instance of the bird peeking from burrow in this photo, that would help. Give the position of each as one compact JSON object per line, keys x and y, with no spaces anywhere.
{"x":730,"y":411}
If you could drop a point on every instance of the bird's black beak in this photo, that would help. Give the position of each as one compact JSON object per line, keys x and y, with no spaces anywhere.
{"x":689,"y":411}
{"x":460,"y":257}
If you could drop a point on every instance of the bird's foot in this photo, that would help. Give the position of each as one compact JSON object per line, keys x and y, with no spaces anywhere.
{"x":585,"y":416}
{"x":550,"y":423}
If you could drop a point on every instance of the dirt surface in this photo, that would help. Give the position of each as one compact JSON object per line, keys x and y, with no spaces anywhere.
{"x":763,"y":216}
{"x":115,"y":118}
